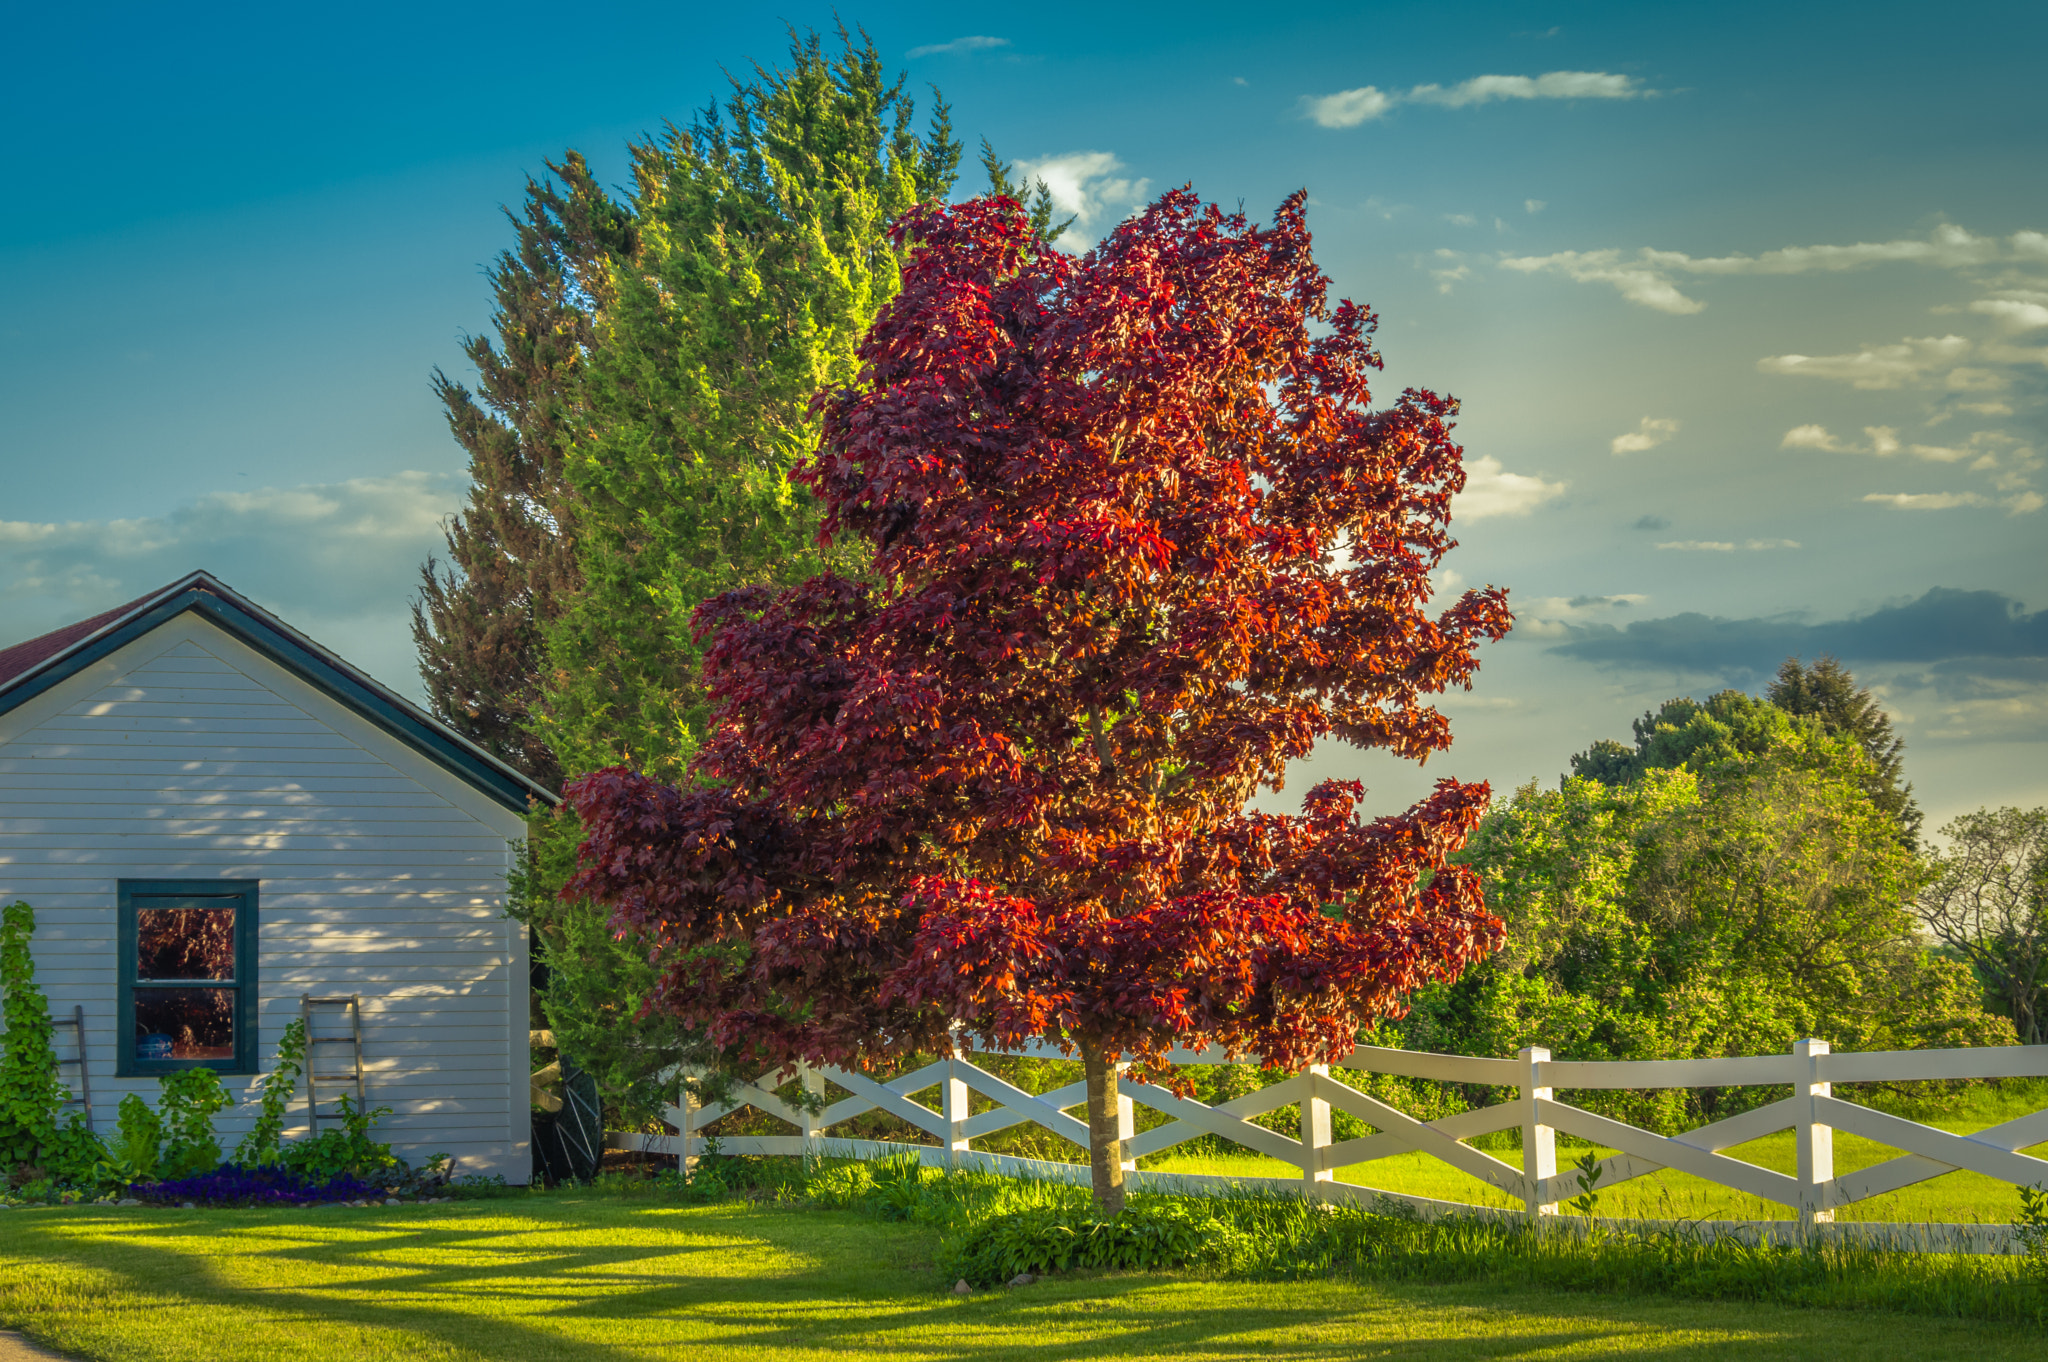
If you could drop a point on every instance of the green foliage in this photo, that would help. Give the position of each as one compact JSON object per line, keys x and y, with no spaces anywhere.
{"x":1147,"y":1235}
{"x":260,"y":1146}
{"x":1987,"y":900}
{"x":757,"y":259}
{"x":137,"y":1154}
{"x":1587,"y":1202}
{"x":343,"y":1148}
{"x":2032,"y":1227}
{"x":1827,"y":692}
{"x":191,"y":1098}
{"x":1739,"y":889}
{"x":30,"y":1093}
{"x":761,"y":257}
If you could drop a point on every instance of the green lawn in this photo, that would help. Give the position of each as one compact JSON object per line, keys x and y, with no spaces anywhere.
{"x":586,"y":1277}
{"x":1953,"y":1198}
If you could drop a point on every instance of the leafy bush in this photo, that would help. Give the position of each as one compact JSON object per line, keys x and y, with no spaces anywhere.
{"x":1147,"y":1235}
{"x":191,"y":1098}
{"x":344,"y":1149}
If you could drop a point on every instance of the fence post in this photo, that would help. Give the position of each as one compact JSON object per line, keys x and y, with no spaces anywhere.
{"x":953,"y":1108}
{"x":1126,"y":1122}
{"x":686,"y":1162}
{"x":1816,"y":1141}
{"x":1539,"y":1142}
{"x":1316,"y":1173}
{"x":813,"y":1079}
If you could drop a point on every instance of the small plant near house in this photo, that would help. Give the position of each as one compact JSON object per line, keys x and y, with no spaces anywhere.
{"x":138,"y":1141}
{"x":191,"y":1098}
{"x":259,"y":1148}
{"x":343,"y":1149}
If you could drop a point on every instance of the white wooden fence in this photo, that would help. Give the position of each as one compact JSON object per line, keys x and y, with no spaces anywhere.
{"x":1813,"y":1193}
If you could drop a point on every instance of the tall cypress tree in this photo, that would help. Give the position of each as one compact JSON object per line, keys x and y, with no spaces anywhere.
{"x":478,"y":624}
{"x":648,"y":390}
{"x":762,"y":256}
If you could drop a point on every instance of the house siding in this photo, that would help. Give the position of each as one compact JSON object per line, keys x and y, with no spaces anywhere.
{"x":187,"y":755}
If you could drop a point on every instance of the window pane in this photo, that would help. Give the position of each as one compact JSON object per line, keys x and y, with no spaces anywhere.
{"x":185,"y":1023}
{"x":185,"y":943}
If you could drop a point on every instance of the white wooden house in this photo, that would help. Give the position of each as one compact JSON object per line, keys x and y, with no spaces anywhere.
{"x":214,"y":817}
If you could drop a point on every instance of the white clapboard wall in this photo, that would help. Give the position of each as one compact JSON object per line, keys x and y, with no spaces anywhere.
{"x":188,"y":755}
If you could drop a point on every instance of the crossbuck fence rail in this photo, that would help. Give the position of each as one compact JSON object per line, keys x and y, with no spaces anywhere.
{"x":1813,"y":1193}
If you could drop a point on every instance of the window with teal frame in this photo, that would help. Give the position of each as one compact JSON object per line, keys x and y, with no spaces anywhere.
{"x":187,"y":976}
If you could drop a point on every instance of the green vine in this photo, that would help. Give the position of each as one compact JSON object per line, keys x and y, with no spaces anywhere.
{"x":259,"y":1147}
{"x":31,"y":1094}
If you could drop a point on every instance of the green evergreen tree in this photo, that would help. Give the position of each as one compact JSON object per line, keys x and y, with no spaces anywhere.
{"x":478,"y":624}
{"x":759,"y":256}
{"x":1826,"y":691}
{"x":762,"y":256}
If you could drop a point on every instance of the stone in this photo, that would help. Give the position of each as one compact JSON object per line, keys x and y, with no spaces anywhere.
{"x":129,"y":1201}
{"x":961,"y":1288}
{"x":189,"y":1205}
{"x":391,"y":1201}
{"x":1023,"y":1279}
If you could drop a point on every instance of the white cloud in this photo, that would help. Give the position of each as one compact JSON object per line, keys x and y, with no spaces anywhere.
{"x":1534,"y":205}
{"x":1637,"y":282}
{"x":959,"y":46}
{"x":1813,"y":437}
{"x":1492,"y":491}
{"x":1648,"y":276}
{"x":1550,"y":85}
{"x":1460,"y":219}
{"x":2014,"y":313}
{"x":1728,"y":546}
{"x":1884,"y":442}
{"x":1648,"y":434}
{"x":338,"y":560}
{"x":1927,"y":501}
{"x":1085,"y":185}
{"x":1349,"y":108}
{"x":1906,"y":364}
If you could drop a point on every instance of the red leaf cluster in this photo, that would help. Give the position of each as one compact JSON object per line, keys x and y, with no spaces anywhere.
{"x":1139,"y":541}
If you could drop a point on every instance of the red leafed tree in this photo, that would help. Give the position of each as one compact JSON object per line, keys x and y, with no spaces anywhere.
{"x":1139,"y":541}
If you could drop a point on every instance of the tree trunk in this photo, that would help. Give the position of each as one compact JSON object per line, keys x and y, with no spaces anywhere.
{"x":1105,"y":1133}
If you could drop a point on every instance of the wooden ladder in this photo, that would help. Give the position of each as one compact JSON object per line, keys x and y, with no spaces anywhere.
{"x":314,"y":1078}
{"x":76,"y":1021}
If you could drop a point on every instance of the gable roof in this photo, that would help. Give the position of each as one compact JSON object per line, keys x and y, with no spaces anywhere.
{"x":28,"y":669}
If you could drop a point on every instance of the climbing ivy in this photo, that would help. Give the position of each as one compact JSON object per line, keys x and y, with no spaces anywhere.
{"x":259,"y":1147}
{"x":31,"y":1094}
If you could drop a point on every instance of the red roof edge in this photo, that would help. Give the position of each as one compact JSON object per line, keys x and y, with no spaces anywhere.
{"x":25,"y":657}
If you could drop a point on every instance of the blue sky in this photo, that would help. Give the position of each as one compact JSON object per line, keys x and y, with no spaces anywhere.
{"x":1747,"y":305}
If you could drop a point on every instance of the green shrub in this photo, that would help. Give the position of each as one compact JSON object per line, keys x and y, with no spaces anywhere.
{"x":191,"y":1098}
{"x":347,"y":1148}
{"x":1148,"y":1235}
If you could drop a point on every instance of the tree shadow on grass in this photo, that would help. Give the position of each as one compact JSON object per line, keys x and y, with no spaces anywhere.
{"x":599,"y":1281}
